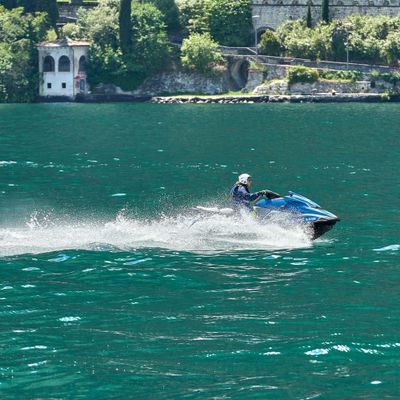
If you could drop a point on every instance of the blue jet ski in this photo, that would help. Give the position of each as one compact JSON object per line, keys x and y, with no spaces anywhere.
{"x":320,"y":220}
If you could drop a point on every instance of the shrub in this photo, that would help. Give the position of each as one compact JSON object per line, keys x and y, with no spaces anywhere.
{"x":200,"y":53}
{"x":340,"y":75}
{"x":269,"y":44}
{"x":71,"y":30}
{"x":390,"y":50}
{"x":390,"y":77}
{"x":375,"y":74}
{"x":300,"y":74}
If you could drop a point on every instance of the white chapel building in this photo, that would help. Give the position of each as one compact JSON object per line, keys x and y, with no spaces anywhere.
{"x":62,"y":68}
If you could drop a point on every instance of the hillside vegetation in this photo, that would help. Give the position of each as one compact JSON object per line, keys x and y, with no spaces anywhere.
{"x":132,"y":40}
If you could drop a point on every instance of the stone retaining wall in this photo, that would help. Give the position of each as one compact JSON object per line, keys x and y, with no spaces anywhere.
{"x":172,"y":83}
{"x":282,"y":88}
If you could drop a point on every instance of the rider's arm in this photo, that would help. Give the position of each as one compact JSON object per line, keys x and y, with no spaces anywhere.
{"x":249,"y":196}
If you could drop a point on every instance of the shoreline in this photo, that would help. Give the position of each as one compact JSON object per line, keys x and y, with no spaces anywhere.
{"x":253,"y":99}
{"x":231,"y":99}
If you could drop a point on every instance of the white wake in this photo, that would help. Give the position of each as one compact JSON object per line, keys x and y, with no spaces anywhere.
{"x":182,"y":232}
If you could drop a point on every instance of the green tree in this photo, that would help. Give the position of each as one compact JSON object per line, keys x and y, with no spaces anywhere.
{"x":325,"y":10}
{"x":309,"y":17}
{"x":51,"y":8}
{"x":19,"y":75}
{"x":390,"y":51}
{"x":200,"y":53}
{"x":31,"y":6}
{"x":170,"y":11}
{"x":192,"y":16}
{"x":147,"y":53}
{"x":229,"y":21}
{"x":125,"y":25}
{"x":269,"y":44}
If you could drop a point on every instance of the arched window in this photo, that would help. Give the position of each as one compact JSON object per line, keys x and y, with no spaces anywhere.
{"x":48,"y":64}
{"x":64,"y":65}
{"x":82,"y":64}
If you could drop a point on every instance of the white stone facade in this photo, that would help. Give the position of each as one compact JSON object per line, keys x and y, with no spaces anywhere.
{"x":62,"y":68}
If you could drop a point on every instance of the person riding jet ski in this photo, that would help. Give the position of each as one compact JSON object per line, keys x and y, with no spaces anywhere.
{"x":241,"y":198}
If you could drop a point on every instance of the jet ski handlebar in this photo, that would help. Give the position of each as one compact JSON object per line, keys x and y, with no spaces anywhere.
{"x":270,"y":195}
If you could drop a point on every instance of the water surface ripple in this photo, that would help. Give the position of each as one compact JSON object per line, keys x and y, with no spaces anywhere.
{"x":111,"y":287}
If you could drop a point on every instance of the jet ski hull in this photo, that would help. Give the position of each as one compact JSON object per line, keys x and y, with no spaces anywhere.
{"x":321,"y":227}
{"x":302,"y":209}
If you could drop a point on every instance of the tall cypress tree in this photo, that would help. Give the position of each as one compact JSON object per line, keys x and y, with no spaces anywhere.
{"x":51,"y":7}
{"x":325,"y":10}
{"x":125,"y":25}
{"x":309,"y":18}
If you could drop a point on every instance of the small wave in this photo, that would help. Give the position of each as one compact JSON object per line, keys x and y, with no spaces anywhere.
{"x":182,"y":232}
{"x":392,"y":247}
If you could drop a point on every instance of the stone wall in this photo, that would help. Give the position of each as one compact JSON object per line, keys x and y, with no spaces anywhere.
{"x":283,"y":88}
{"x":273,"y":13}
{"x":172,"y":83}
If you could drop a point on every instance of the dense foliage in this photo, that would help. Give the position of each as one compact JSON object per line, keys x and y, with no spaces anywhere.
{"x":200,"y":53}
{"x":300,"y":74}
{"x":19,"y":32}
{"x":269,"y":44}
{"x":170,"y":13}
{"x":144,"y":54}
{"x":192,"y":16}
{"x":229,"y":21}
{"x":31,"y":6}
{"x":347,"y":75}
{"x":370,"y":39}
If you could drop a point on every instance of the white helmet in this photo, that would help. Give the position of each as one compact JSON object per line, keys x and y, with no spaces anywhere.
{"x":243,"y":178}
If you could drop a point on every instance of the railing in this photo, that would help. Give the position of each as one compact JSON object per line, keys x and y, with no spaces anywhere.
{"x":335,"y":65}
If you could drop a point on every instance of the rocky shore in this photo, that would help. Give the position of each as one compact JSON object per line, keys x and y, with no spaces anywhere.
{"x":317,"y":98}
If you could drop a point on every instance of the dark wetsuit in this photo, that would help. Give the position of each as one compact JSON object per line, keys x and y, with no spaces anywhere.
{"x":241,"y":197}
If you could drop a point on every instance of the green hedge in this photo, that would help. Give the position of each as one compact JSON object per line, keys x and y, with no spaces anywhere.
{"x":299,"y":74}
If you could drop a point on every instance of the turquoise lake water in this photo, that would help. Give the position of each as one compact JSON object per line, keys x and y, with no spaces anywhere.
{"x":112,"y":288}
